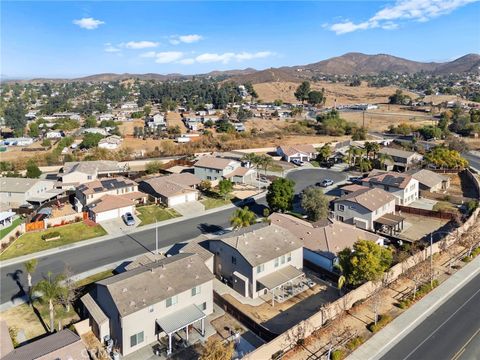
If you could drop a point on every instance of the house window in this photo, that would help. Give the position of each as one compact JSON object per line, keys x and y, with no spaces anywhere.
{"x":171,"y":301}
{"x":89,"y":177}
{"x":289,"y":257}
{"x":340,"y":218}
{"x":196,"y":290}
{"x":260,"y":268}
{"x":203,"y":306}
{"x":234,"y":260}
{"x":282,"y":259}
{"x":341,"y":207}
{"x":277,"y":262}
{"x":136,"y":339}
{"x":150,"y":308}
{"x":387,"y":188}
{"x":209,"y":178}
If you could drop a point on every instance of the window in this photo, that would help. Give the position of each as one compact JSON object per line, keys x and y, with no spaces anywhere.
{"x":171,"y":301}
{"x":260,"y":268}
{"x":203,"y":306}
{"x":277,"y":262}
{"x":196,"y":290}
{"x":282,"y":260}
{"x":289,"y":257}
{"x":341,"y":207}
{"x":209,"y":178}
{"x":340,"y":218}
{"x":150,"y":308}
{"x":89,"y":177}
{"x":234,"y":260}
{"x":136,"y":339}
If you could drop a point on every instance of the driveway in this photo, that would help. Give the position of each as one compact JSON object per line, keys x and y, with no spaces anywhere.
{"x":118,"y":226}
{"x":190,"y":208}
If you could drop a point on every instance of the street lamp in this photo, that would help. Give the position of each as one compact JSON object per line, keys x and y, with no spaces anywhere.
{"x":431,"y":253}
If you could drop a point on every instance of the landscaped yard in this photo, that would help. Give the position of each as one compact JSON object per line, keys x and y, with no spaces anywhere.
{"x":32,"y":242}
{"x":151,"y":213}
{"x":6,"y":230}
{"x":212,"y":201}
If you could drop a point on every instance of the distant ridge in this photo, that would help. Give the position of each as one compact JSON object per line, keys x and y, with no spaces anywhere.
{"x":348,"y":64}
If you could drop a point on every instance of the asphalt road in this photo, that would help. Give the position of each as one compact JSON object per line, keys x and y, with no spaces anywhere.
{"x":473,"y":160}
{"x":12,"y":278}
{"x":452,"y":332}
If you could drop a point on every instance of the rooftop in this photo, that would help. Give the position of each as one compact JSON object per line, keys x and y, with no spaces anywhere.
{"x":371,"y":199}
{"x":398,"y":180}
{"x":429,"y":178}
{"x":294,"y":149}
{"x":19,"y":185}
{"x":213,"y":162}
{"x":109,"y":202}
{"x":91,"y":167}
{"x":172,"y":184}
{"x":105,"y":184}
{"x":397,"y":152}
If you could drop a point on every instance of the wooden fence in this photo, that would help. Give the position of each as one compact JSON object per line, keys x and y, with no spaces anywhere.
{"x":34,"y":226}
{"x":424,"y":212}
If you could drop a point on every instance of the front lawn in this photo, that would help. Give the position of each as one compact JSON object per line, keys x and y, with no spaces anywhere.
{"x":32,"y":242}
{"x":212,"y":201}
{"x":151,"y":213}
{"x":5,"y":231}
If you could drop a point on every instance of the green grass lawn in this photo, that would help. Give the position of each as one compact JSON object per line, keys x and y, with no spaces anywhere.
{"x":213,"y":201}
{"x":5,"y":231}
{"x":315,"y":163}
{"x":32,"y":242}
{"x":151,"y":213}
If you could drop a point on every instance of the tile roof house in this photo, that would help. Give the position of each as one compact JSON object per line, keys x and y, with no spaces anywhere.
{"x":403,"y":186}
{"x":323,"y":241}
{"x":173,"y":189}
{"x":153,"y":301}
{"x":297,"y":152}
{"x":110,"y":207}
{"x":431,"y":181}
{"x":367,"y":209}
{"x":258,"y":261}
{"x":215,"y":169}
{"x":402,"y":160}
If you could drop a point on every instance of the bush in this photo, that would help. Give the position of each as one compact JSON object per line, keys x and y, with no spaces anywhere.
{"x":51,"y":235}
{"x":404,"y":304}
{"x":381,"y":323}
{"x":337,"y":355}
{"x":354,"y":343}
{"x":12,"y":331}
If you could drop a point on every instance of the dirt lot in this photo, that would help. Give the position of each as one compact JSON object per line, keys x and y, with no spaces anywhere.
{"x":126,"y":127}
{"x":174,"y":119}
{"x":344,"y":94}
{"x":420,"y":226}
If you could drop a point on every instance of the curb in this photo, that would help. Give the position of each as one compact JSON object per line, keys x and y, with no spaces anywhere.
{"x":382,"y":342}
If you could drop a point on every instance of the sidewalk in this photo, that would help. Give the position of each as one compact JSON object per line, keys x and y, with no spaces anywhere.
{"x":22,"y":259}
{"x":379,"y":344}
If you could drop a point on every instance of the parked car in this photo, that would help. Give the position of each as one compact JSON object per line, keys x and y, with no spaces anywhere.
{"x":129,"y":219}
{"x":325,"y":183}
{"x":356,"y":179}
{"x":327,"y":164}
{"x":298,"y":162}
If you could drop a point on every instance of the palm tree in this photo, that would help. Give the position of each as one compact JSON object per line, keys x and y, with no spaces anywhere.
{"x":265,"y":161}
{"x":382,"y":159}
{"x":51,"y":289}
{"x":30,"y":267}
{"x":242,"y":218}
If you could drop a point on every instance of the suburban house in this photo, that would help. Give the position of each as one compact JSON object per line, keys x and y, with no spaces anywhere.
{"x":21,"y":141}
{"x":54,"y":134}
{"x":323,"y":240}
{"x":402,"y":160}
{"x":74,"y":173}
{"x":6,"y":215}
{"x":15,"y":192}
{"x":172,"y":189}
{"x":156,"y":121}
{"x":138,"y":307}
{"x":297,"y":152}
{"x":64,"y":344}
{"x":258,"y":261}
{"x":214,"y":168}
{"x":431,"y":181}
{"x":368,"y":209}
{"x":110,"y":207}
{"x":100,"y":131}
{"x":110,"y":143}
{"x":403,"y":186}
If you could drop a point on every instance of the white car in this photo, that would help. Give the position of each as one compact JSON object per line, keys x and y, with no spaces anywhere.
{"x":298,"y":162}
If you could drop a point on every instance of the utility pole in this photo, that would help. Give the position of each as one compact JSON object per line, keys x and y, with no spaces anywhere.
{"x":363,"y":124}
{"x":156,"y":238}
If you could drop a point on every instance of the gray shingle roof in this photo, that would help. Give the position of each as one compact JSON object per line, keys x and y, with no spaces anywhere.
{"x":429,"y":178}
{"x":370,"y":199}
{"x":211,"y":162}
{"x":91,"y":167}
{"x":19,"y":185}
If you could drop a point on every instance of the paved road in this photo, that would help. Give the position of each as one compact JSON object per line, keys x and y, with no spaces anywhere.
{"x":123,"y":247}
{"x":452,"y":332}
{"x":473,"y":160}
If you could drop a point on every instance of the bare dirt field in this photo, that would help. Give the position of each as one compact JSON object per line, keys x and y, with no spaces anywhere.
{"x":174,"y":119}
{"x":126,"y":127}
{"x":343,"y":93}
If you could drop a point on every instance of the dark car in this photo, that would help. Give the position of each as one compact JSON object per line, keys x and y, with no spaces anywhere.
{"x":327,"y":164}
{"x":129,"y":219}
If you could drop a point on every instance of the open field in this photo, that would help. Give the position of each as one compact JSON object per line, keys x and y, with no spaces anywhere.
{"x":174,"y":119}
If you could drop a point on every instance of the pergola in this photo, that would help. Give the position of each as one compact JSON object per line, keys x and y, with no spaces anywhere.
{"x":392,"y":222}
{"x":279,"y":279}
{"x":179,"y":320}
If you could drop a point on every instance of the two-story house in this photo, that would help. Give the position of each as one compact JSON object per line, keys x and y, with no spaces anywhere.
{"x":215,"y":169}
{"x":368,"y":209}
{"x":258,"y":261}
{"x":73,"y":174}
{"x":139,"y":306}
{"x":403,"y":186}
{"x":402,"y":160}
{"x":15,"y":192}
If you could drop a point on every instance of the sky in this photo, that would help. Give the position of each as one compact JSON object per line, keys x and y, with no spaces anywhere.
{"x":71,"y":39}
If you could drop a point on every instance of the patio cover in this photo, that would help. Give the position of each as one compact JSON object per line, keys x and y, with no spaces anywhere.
{"x":390,"y":219}
{"x":93,"y":309}
{"x":280,"y":277}
{"x":181,"y":319}
{"x":47,"y":195}
{"x":6,"y":215}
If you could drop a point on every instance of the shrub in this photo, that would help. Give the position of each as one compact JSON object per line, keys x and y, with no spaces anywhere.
{"x":12,"y":331}
{"x":277,"y":355}
{"x":354,"y":343}
{"x":381,"y":323}
{"x":50,"y":235}
{"x":404,"y":304}
{"x":337,"y":355}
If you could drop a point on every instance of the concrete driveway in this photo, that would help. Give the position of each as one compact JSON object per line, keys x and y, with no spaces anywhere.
{"x":189,"y":208}
{"x":118,"y":226}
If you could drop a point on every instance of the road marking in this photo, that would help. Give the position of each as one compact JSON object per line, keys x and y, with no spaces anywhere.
{"x":462,"y":350}
{"x":441,"y":325}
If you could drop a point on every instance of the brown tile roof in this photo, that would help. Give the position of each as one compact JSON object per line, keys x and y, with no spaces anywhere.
{"x":371,"y":199}
{"x":392,"y":179}
{"x":353,"y":187}
{"x":290,"y":150}
{"x":106,"y":184}
{"x":163,"y":185}
{"x":240,"y":171}
{"x":91,"y":167}
{"x":110,"y":202}
{"x":134,"y":195}
{"x":186,"y":179}
{"x":429,"y":178}
{"x":330,"y":238}
{"x":213,"y":162}
{"x":152,"y":283}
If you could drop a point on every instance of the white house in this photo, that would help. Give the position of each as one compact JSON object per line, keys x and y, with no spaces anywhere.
{"x":214,"y":168}
{"x":54,"y":134}
{"x":100,"y":131}
{"x":403,"y":186}
{"x":156,"y":121}
{"x":297,"y":152}
{"x":111,"y":142}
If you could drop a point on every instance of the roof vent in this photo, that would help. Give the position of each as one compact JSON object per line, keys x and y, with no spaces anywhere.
{"x":124,"y":290}
{"x":169,"y":288}
{"x":132,"y":303}
{"x":309,"y":233}
{"x":277,"y":248}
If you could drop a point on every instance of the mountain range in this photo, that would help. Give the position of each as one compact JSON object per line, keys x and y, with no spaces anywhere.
{"x":347,"y":64}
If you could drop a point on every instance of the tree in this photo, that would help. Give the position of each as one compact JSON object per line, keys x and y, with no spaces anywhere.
{"x":242,"y":218}
{"x":278,"y":102}
{"x":51,"y":289}
{"x":367,"y":261}
{"x":418,"y":274}
{"x":315,"y":97}
{"x":371,"y":148}
{"x":301,"y":94}
{"x":280,"y":194}
{"x":70,"y":290}
{"x":399,"y":98}
{"x":14,"y":115}
{"x":265,"y":161}
{"x":215,"y":349}
{"x":205,"y":185}
{"x":30,"y":268}
{"x":46,"y":143}
{"x":90,"y":122}
{"x":324,"y":153}
{"x":33,"y":130}
{"x":359,"y":134}
{"x":33,"y":172}
{"x":147,"y":110}
{"x":153,"y":167}
{"x":90,"y":140}
{"x":225,"y":187}
{"x":315,"y":203}
{"x":444,"y":158}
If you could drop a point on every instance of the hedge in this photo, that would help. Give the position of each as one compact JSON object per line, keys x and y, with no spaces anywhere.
{"x":337,"y":355}
{"x":381,"y":323}
{"x":51,"y":235}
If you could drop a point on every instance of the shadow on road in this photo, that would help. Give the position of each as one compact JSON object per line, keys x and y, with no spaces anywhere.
{"x":16,"y":277}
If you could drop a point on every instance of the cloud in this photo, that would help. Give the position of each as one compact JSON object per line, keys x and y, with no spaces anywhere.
{"x":168,"y":56}
{"x":416,"y":10}
{"x":187,"y":61}
{"x":229,"y":56}
{"x":188,"y":39}
{"x":148,"y":54}
{"x":88,"y":23}
{"x":140,"y":44}
{"x":110,"y":48}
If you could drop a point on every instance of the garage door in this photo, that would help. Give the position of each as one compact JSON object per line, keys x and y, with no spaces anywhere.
{"x":113,"y":214}
{"x":181,"y":199}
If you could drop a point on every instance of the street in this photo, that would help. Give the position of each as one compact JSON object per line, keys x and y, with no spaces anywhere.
{"x":126,"y":246}
{"x":451,"y":332}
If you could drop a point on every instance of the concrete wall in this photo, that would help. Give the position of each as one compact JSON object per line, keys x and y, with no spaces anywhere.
{"x":65,"y":219}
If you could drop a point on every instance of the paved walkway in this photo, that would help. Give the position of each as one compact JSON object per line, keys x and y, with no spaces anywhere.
{"x":378,"y":345}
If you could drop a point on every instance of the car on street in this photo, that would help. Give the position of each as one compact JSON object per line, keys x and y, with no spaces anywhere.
{"x":129,"y":219}
{"x":298,"y":162}
{"x":327,"y":164}
{"x":325,"y":183}
{"x":356,"y":179}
